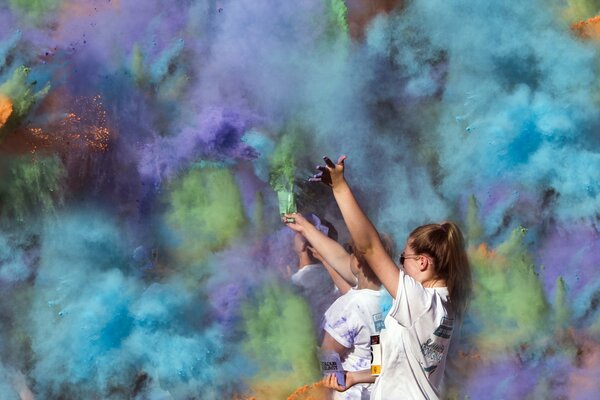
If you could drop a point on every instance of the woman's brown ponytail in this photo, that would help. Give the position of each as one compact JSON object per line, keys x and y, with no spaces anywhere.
{"x":445,"y":244}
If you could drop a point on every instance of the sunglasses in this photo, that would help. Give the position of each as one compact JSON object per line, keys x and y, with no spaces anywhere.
{"x":403,"y":257}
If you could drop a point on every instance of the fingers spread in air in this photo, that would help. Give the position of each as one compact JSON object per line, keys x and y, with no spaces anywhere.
{"x":317,"y":177}
{"x":328,"y":161}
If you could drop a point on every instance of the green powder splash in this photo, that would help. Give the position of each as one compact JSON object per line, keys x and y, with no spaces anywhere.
{"x":281,"y":341}
{"x":206,"y":212}
{"x":22,"y":96}
{"x":578,"y":10}
{"x":34,"y":9}
{"x":30,"y":185}
{"x":338,"y":13}
{"x":282,"y":173}
{"x":137,"y":65}
{"x":508,"y":303}
{"x":283,"y":161}
{"x":166,"y":77}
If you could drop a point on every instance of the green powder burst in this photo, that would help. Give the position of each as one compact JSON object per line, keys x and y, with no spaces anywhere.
{"x":338,"y":14}
{"x":34,"y":9}
{"x":283,"y":162}
{"x":137,"y":65}
{"x":281,"y":341}
{"x":577,"y":10}
{"x":21,"y":94}
{"x":205,"y":211}
{"x":30,"y":185}
{"x":508,"y":304}
{"x":283,"y":168}
{"x":165,"y":76}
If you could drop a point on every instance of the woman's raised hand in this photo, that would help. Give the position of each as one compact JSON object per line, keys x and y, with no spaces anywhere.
{"x":330,"y":174}
{"x":295,"y":222}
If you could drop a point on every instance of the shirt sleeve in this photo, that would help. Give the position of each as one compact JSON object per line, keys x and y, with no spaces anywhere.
{"x":411,"y":302}
{"x":340,"y":323}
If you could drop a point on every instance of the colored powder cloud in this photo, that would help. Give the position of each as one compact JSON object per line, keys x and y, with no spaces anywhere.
{"x":516,"y":136}
{"x":21,"y":93}
{"x":205,"y":212}
{"x":281,"y":341}
{"x":17,"y":261}
{"x":578,"y":10}
{"x":107,"y":328}
{"x":13,"y":385}
{"x":30,"y":186}
{"x":508,"y":301}
{"x":138,"y":145}
{"x":34,"y":8}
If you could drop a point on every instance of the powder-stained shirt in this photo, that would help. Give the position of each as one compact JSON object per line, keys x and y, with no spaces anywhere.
{"x":351,"y":320}
{"x":414,"y":343}
{"x":316,"y":286}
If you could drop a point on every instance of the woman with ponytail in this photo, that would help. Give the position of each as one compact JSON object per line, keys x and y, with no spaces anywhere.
{"x":430,"y":291}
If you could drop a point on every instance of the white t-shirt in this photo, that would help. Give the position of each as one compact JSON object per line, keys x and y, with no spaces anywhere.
{"x":318,"y":289}
{"x":351,"y":320}
{"x":414,"y":343}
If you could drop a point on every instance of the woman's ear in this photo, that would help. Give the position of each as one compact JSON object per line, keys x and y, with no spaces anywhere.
{"x":423,"y":263}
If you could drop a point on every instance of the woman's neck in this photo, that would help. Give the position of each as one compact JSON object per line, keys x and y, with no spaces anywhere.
{"x":434,"y":282}
{"x":365,"y":283}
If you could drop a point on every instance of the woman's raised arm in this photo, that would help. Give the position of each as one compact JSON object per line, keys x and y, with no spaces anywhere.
{"x":364,"y":235}
{"x":333,"y":252}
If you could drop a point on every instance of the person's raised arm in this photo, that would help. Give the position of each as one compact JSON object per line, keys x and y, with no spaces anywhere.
{"x":364,"y":235}
{"x":338,"y":280}
{"x":333,"y":252}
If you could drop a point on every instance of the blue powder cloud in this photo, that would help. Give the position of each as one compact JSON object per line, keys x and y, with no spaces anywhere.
{"x":95,"y":330}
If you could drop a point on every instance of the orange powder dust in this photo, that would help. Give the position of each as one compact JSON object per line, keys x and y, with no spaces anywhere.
{"x":588,"y":29}
{"x":484,"y":251}
{"x":85,"y":130}
{"x":6,"y":109}
{"x":316,"y":391}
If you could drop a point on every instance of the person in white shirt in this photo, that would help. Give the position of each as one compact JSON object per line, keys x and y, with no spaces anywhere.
{"x":430,"y":293}
{"x":312,"y":279}
{"x":354,"y":317}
